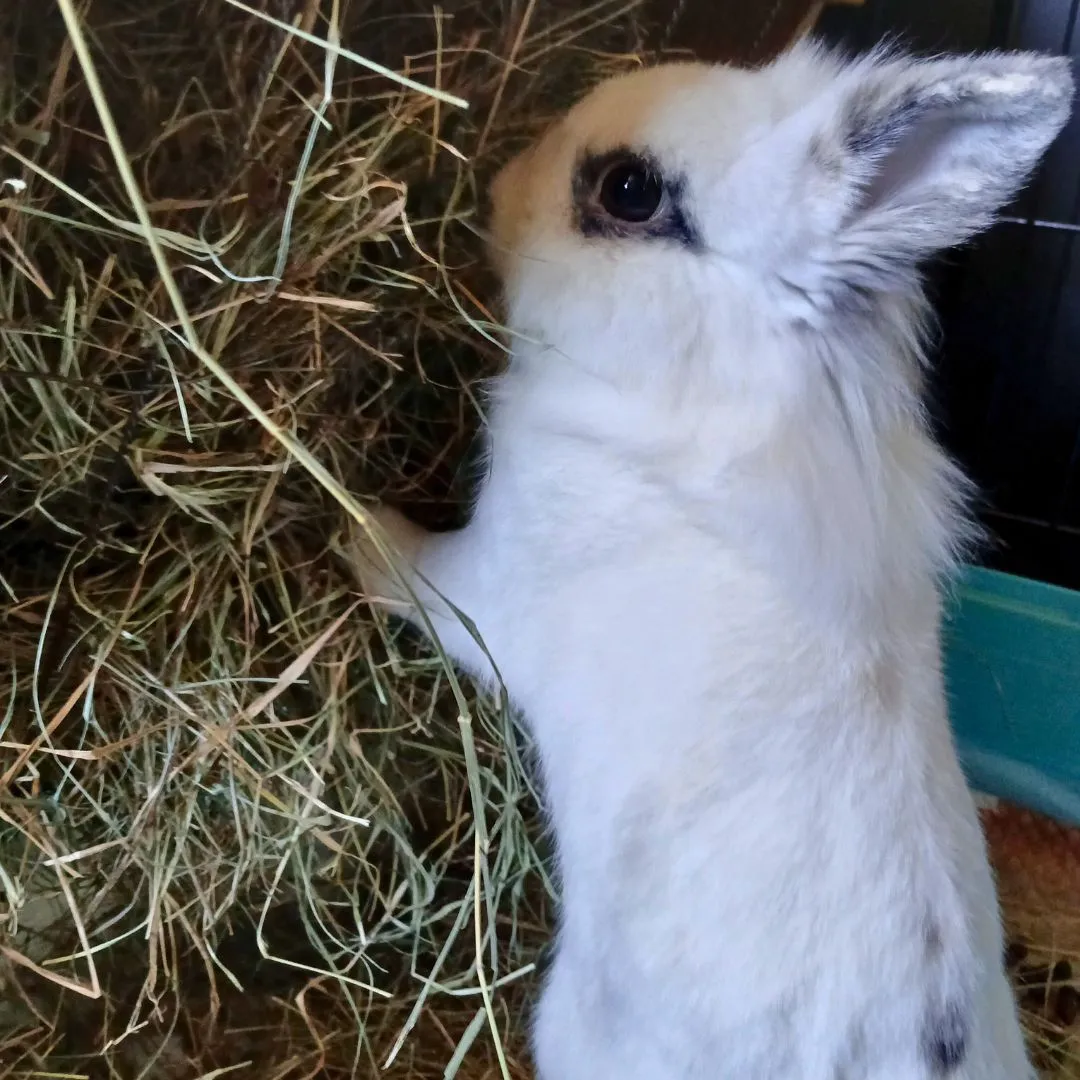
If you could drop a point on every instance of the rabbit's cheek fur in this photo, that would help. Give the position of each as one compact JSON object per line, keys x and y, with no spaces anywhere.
{"x":706,"y":561}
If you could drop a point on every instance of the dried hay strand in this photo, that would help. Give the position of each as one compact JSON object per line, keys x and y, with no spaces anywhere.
{"x":246,"y":827}
{"x":241,"y":819}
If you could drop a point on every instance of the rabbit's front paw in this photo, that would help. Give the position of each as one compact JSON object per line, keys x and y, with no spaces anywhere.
{"x":398,"y":538}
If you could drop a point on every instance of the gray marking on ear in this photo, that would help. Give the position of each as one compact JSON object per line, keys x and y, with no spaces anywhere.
{"x":870,"y":130}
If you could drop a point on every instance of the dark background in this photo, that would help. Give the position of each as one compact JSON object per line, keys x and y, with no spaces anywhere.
{"x":1007,"y":369}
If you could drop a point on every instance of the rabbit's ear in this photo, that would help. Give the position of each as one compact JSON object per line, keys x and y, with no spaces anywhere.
{"x":925,"y":152}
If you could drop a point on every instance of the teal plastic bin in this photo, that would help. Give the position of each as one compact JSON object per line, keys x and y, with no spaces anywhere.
{"x":1012,"y":666}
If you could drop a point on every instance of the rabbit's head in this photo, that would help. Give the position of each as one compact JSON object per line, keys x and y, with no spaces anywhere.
{"x":690,"y":203}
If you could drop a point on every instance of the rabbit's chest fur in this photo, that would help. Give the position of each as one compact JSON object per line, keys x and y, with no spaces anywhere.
{"x":771,"y":864}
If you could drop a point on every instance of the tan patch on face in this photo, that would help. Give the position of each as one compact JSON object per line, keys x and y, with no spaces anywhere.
{"x":508,"y":206}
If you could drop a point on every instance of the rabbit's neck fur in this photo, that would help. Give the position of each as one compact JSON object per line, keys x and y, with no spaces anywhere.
{"x":832,"y":486}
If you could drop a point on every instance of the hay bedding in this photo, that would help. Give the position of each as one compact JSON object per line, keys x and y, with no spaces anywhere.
{"x":244,"y":827}
{"x":196,"y":717}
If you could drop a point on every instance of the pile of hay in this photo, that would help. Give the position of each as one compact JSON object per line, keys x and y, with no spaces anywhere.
{"x":245,"y":827}
{"x":240,"y":821}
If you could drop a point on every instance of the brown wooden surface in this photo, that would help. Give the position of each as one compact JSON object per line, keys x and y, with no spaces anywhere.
{"x":744,"y":32}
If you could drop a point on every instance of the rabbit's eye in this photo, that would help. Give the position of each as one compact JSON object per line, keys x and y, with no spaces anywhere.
{"x":623,"y":194}
{"x":631,"y":191}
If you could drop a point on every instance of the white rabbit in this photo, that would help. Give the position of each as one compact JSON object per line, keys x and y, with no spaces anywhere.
{"x":707,"y":556}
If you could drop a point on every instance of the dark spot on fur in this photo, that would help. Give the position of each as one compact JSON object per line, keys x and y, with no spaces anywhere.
{"x":672,"y":222}
{"x":945,"y":1040}
{"x":932,"y":939}
{"x":853,"y":1057}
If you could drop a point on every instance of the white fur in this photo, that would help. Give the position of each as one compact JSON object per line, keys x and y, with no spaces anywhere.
{"x":706,"y":561}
